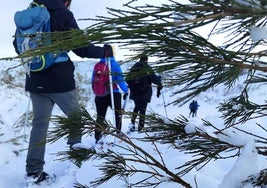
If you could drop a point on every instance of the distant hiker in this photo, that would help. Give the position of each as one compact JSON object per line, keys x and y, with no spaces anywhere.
{"x":103,"y":95}
{"x":55,"y":85}
{"x":193,"y":106}
{"x":139,"y":80}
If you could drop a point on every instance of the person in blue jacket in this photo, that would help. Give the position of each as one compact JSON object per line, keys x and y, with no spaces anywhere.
{"x":193,"y":106}
{"x":103,"y":102}
{"x":140,"y":79}
{"x":55,"y":85}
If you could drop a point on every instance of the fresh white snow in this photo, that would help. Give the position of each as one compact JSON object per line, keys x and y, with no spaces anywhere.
{"x":228,"y":173}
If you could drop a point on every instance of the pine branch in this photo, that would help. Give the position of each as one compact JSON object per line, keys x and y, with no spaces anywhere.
{"x":191,"y":64}
{"x":198,"y":143}
{"x":241,"y":108}
{"x":116,"y":164}
{"x":121,"y":164}
{"x":257,"y":180}
{"x":178,"y":47}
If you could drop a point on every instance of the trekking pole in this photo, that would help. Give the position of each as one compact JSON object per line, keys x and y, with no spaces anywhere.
{"x":26,"y":117}
{"x":26,"y":121}
{"x":111,"y":89}
{"x":164,"y":103}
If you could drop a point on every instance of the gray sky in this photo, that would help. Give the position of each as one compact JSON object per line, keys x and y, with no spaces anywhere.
{"x":80,"y":8}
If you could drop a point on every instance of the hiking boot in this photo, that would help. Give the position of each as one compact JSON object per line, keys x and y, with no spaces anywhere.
{"x":38,"y":177}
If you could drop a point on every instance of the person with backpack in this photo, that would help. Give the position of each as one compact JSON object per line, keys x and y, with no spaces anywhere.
{"x":193,"y":106}
{"x":54,"y":85}
{"x":101,"y":88}
{"x":139,"y":80}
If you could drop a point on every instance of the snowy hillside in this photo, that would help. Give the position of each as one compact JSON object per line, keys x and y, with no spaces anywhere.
{"x":14,"y":136}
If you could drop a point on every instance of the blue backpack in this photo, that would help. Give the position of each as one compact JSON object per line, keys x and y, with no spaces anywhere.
{"x":32,"y":31}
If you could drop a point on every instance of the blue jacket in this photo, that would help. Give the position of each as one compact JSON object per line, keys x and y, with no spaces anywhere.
{"x":193,"y":105}
{"x":117,"y":75}
{"x":59,"y":77}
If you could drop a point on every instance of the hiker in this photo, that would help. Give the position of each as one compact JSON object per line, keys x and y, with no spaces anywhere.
{"x":193,"y":106}
{"x":139,"y":79}
{"x":55,"y":85}
{"x":103,"y":101}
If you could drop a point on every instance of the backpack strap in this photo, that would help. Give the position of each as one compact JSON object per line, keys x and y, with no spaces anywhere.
{"x":35,"y":4}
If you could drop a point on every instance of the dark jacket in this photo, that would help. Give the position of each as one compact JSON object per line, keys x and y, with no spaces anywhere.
{"x":59,"y":77}
{"x":141,"y":70}
{"x":193,"y":105}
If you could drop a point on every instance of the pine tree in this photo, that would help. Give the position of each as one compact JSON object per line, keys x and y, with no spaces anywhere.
{"x":188,"y":59}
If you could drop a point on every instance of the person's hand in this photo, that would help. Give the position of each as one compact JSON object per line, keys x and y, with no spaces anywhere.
{"x":125,"y":96}
{"x":108,"y":50}
{"x":158,"y":91}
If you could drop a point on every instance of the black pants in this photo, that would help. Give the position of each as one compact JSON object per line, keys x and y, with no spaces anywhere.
{"x":102,"y":104}
{"x":193,"y":112}
{"x":140,"y":109}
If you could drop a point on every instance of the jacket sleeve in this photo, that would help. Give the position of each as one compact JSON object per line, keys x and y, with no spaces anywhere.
{"x":154,"y":78}
{"x":118,"y":75}
{"x":90,"y":51}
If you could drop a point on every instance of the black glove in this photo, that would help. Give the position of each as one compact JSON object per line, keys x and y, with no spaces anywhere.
{"x":158,"y":91}
{"x":125,"y":96}
{"x":108,"y":50}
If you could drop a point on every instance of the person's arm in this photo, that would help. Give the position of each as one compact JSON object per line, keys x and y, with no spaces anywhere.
{"x":90,"y":51}
{"x":155,"y":79}
{"x":118,"y":75}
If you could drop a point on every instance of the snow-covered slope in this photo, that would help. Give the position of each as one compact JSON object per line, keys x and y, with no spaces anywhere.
{"x":14,"y":135}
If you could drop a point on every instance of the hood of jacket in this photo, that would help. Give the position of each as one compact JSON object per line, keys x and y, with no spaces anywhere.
{"x":52,"y":5}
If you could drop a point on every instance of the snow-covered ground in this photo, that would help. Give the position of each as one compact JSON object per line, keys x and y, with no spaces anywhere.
{"x":226,"y":173}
